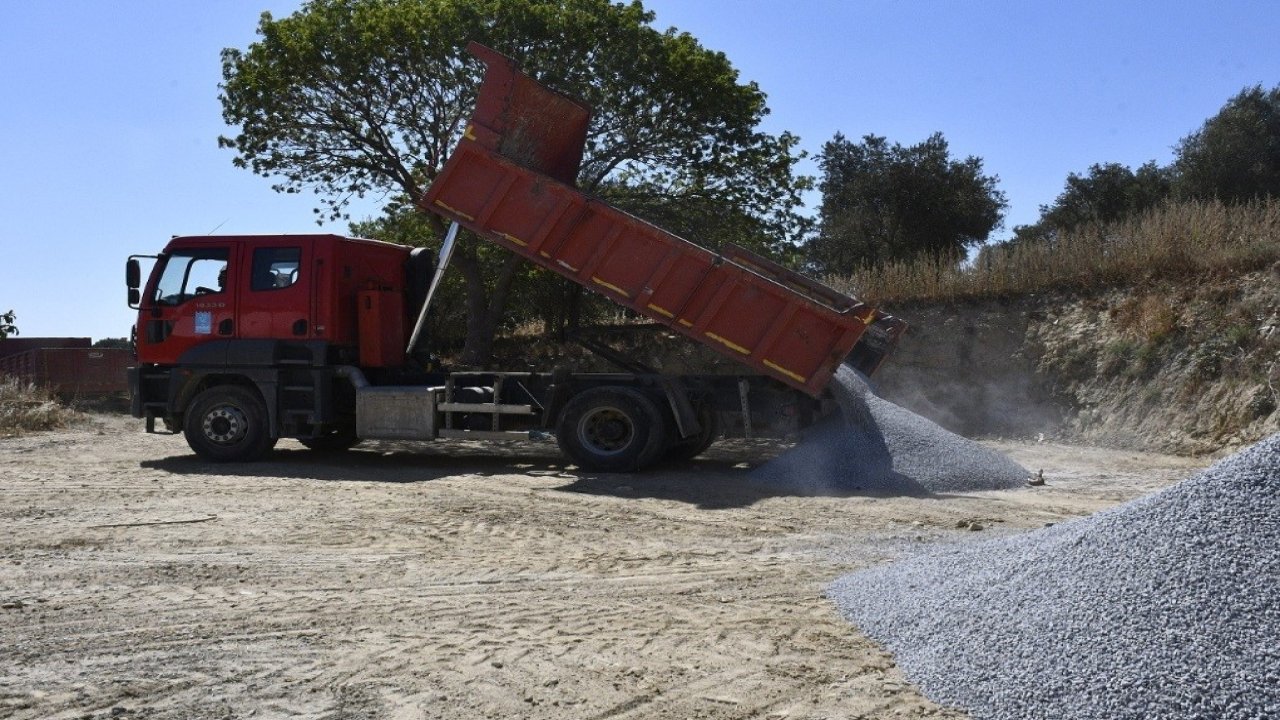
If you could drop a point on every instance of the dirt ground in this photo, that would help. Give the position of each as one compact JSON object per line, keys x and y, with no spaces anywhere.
{"x":463,"y":581}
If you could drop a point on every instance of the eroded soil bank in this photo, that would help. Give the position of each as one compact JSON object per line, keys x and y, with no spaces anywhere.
{"x":1189,"y":367}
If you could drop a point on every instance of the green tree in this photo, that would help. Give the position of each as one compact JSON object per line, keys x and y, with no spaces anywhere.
{"x":7,"y":326}
{"x":883,"y":202}
{"x":1109,"y":192}
{"x":346,"y":98}
{"x":119,"y":343}
{"x":1235,"y":155}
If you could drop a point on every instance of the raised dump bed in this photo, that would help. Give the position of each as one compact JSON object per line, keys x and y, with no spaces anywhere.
{"x":511,"y":180}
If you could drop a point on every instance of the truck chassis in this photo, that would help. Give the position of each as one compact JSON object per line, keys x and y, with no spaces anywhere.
{"x":612,"y":422}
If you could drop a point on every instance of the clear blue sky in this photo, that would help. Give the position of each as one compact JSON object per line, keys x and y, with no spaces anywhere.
{"x":109,"y":113}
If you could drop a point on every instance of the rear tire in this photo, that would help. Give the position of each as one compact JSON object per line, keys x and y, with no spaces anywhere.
{"x":228,"y":423}
{"x":611,"y":429}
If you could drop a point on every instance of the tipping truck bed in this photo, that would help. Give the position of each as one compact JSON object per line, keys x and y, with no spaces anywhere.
{"x":511,"y":180}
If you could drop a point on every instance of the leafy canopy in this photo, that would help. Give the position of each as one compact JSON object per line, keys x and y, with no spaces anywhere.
{"x":1235,"y":155}
{"x":7,"y":326}
{"x":1108,"y":193}
{"x":350,"y":97}
{"x":884,"y":202}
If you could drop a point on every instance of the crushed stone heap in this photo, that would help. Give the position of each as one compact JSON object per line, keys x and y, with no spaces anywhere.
{"x":879,"y":447}
{"x":1165,"y":607}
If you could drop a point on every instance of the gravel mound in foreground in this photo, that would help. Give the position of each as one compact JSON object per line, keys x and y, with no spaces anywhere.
{"x":881,"y":448}
{"x":1166,"y":607}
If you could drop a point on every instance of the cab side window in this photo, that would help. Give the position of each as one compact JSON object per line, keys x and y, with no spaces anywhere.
{"x":275,"y":268}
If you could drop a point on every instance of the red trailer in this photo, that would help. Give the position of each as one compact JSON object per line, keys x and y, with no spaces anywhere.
{"x":81,"y":371}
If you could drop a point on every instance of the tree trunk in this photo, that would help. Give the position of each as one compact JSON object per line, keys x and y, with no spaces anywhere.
{"x":485,"y":304}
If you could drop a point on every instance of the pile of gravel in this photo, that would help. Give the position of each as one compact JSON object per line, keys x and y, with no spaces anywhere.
{"x":1166,"y":607}
{"x":878,"y":447}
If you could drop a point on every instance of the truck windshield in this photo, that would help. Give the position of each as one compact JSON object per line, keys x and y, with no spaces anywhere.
{"x":191,"y":272}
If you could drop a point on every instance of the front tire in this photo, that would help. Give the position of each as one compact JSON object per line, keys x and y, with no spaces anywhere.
{"x":611,"y":429}
{"x":228,"y":423}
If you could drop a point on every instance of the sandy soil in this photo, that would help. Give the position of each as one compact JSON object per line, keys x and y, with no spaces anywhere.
{"x":462,"y":581}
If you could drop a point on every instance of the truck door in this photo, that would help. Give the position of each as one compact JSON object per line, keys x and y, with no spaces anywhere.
{"x":188,"y":303}
{"x":275,"y":296}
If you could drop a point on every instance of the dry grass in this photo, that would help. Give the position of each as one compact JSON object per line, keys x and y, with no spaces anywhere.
{"x":27,"y":408}
{"x":1149,"y":317}
{"x":1174,"y":240}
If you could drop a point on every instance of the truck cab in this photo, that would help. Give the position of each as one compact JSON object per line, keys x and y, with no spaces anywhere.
{"x":265,"y":319}
{"x":282,"y":288}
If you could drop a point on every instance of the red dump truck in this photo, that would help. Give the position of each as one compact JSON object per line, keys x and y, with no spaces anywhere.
{"x":242,"y":340}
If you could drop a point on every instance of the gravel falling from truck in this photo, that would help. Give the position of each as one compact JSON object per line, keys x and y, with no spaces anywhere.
{"x":1164,"y":607}
{"x":878,"y":447}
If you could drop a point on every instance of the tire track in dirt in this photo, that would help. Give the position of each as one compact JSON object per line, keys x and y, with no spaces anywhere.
{"x":433,"y":585}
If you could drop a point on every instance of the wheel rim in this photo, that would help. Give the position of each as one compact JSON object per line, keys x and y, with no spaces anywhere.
{"x":606,"y":430}
{"x":225,"y":425}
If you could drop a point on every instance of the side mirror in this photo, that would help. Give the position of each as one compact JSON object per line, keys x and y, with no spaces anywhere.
{"x":132,"y":276}
{"x":135,"y":297}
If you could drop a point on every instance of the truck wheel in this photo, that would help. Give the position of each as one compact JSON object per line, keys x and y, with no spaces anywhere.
{"x":611,"y":429}
{"x":693,"y":446}
{"x":337,"y":440}
{"x":228,"y":423}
